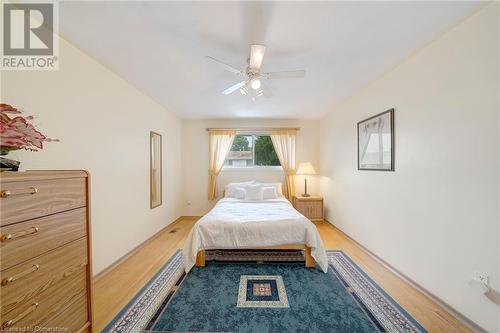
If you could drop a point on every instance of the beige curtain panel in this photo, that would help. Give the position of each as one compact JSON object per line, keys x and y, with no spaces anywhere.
{"x":284,"y":145}
{"x":220,"y":142}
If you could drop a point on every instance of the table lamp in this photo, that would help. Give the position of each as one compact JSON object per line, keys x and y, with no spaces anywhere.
{"x":305,"y":169}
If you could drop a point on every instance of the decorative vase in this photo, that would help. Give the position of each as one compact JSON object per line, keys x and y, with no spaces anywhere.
{"x":6,"y":164}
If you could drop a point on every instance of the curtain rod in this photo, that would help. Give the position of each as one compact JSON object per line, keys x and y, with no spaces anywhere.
{"x":256,"y":129}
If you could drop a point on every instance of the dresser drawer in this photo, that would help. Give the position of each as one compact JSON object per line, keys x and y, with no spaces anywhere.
{"x":31,"y":278}
{"x":25,"y":240}
{"x":24,"y":200}
{"x":48,"y":303}
{"x":71,"y":319}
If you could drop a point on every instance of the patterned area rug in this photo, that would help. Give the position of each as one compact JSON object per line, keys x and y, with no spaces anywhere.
{"x":235,"y":294}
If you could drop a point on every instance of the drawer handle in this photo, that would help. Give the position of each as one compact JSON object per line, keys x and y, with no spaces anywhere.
{"x":8,"y":193}
{"x":20,"y":316}
{"x":30,"y":231}
{"x":13,"y":278}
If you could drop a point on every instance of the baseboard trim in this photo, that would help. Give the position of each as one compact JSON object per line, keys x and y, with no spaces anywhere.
{"x":458,"y":316}
{"x":133,"y":251}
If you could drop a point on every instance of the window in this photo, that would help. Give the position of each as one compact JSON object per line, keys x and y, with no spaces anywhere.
{"x":252,"y":150}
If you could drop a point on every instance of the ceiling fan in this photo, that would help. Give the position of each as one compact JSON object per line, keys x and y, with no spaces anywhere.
{"x":252,"y":78}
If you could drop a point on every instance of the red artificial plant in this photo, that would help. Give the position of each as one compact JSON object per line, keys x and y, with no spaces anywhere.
{"x":16,"y":132}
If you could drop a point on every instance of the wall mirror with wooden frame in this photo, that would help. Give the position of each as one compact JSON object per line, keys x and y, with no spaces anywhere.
{"x":155,"y":169}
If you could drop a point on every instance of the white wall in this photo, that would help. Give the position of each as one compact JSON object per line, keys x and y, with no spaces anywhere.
{"x":498,"y":149}
{"x":436,"y":217}
{"x":195,"y":159}
{"x":103,"y":123}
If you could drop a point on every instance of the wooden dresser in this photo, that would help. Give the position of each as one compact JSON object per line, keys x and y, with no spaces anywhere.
{"x":45,"y":251}
{"x":311,"y":207}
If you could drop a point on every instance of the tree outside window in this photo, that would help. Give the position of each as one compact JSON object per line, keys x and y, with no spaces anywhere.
{"x":264,"y":152}
{"x":252,"y":150}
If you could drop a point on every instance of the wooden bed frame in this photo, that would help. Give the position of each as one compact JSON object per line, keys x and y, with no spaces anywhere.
{"x":309,"y":260}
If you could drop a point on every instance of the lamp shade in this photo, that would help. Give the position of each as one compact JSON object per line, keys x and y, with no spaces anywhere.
{"x":306,"y":168}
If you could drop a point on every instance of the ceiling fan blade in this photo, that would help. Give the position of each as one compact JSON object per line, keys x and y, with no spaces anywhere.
{"x":265,"y":91}
{"x":256,"y":55}
{"x":285,"y":75}
{"x":268,"y":93}
{"x":224,"y":65}
{"x":234,"y":87}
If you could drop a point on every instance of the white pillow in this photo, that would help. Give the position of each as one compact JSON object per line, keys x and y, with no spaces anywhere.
{"x":269,"y":193}
{"x":278,"y":187}
{"x":229,"y":190}
{"x":240,"y":193}
{"x":253,"y":192}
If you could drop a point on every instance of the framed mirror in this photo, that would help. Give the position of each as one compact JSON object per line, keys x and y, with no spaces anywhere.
{"x":155,"y":168}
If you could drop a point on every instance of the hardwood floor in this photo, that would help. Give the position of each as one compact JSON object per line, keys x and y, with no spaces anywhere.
{"x":114,"y":289}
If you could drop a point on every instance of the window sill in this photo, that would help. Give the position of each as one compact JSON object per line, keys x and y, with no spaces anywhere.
{"x":254,"y":168}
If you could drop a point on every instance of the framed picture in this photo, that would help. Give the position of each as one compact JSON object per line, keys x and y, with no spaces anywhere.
{"x":376,"y":142}
{"x":155,"y":179}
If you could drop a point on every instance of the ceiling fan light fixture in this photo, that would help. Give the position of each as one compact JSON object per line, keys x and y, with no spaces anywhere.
{"x":255,"y":84}
{"x":250,"y":78}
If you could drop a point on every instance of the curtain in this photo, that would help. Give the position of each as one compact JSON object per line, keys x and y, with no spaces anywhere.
{"x":284,"y":145}
{"x":220,"y":142}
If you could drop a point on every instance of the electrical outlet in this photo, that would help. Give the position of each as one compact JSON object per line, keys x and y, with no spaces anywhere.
{"x":481,"y":277}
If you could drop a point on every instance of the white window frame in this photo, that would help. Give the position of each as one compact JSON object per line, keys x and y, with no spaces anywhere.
{"x":254,"y":167}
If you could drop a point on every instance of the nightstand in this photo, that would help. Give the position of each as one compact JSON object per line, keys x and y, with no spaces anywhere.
{"x":311,"y":207}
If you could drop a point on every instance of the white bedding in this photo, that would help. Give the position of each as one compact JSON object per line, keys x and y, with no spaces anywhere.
{"x":239,"y":224}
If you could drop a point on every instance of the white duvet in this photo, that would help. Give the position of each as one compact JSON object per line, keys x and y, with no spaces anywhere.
{"x":239,"y":224}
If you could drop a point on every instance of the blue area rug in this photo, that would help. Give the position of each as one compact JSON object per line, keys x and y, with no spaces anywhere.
{"x":228,"y":296}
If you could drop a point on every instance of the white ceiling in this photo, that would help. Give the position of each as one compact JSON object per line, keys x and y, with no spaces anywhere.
{"x":160,"y":47}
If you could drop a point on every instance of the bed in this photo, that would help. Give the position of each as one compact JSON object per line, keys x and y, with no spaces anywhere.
{"x":237,"y":223}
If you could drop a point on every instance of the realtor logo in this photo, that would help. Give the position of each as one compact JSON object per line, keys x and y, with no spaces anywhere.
{"x":29,"y":36}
